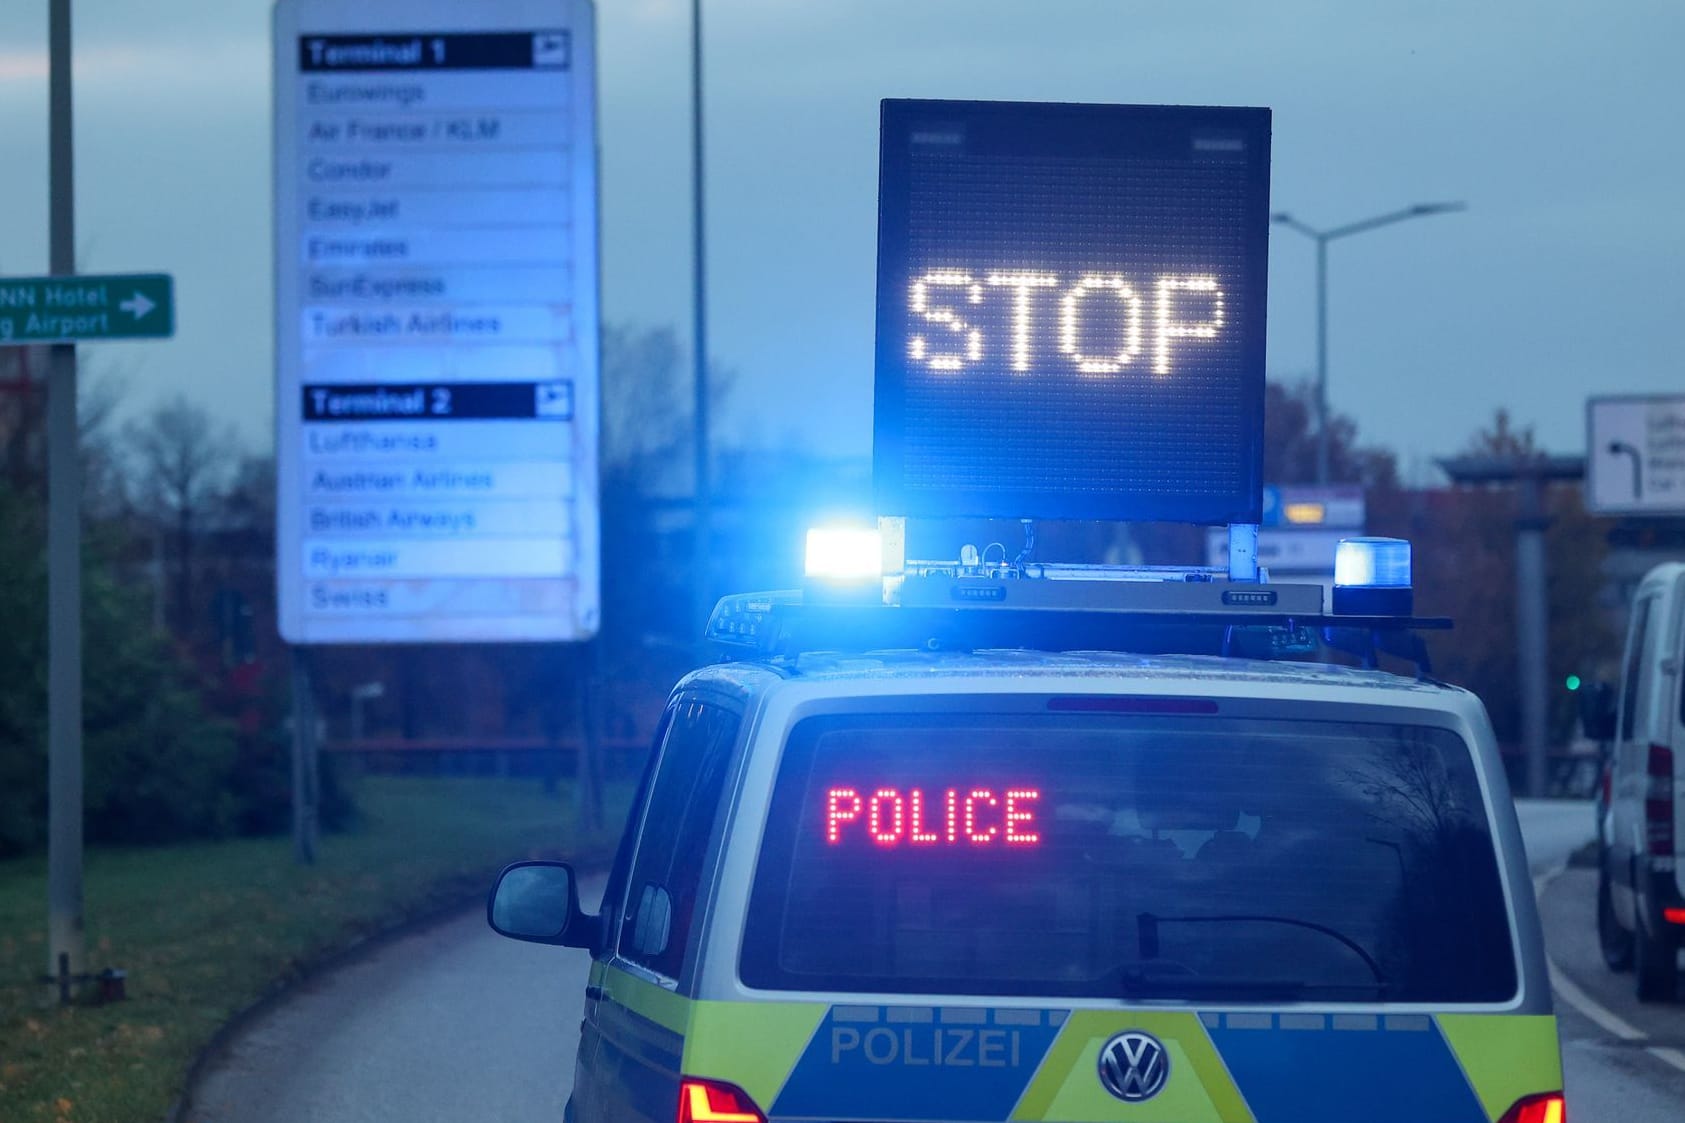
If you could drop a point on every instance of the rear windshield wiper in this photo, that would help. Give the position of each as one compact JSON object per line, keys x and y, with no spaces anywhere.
{"x":1147,"y":925}
{"x":1139,"y":982}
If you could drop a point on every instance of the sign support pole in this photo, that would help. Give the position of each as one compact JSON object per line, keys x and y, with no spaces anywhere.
{"x":1243,"y":551}
{"x":1532,"y":629}
{"x":305,"y":787}
{"x":66,"y":955}
{"x":588,"y":789}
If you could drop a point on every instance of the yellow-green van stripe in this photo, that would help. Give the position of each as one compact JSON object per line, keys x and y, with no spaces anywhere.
{"x":1505,"y":1056}
{"x":1066,"y":1087}
{"x":754,"y":1045}
{"x":658,"y":1004}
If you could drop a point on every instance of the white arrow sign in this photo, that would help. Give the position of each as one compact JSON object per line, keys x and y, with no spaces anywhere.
{"x":137,"y":305}
{"x":1635,"y":455}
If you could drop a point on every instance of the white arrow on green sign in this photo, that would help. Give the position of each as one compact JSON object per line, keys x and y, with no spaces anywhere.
{"x":86,"y":309}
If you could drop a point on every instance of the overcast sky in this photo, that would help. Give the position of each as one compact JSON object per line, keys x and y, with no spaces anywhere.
{"x":1558,"y":122}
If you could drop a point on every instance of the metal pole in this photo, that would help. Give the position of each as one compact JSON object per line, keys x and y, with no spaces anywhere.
{"x":1531,"y":614}
{"x":304,"y":760}
{"x":65,"y":951}
{"x":1321,"y":360}
{"x":588,"y":791}
{"x":699,"y":348}
{"x":1322,"y":238}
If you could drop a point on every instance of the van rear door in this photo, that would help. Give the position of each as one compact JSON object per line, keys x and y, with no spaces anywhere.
{"x":1053,"y":911}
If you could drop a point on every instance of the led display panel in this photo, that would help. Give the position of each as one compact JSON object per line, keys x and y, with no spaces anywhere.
{"x":1070,"y":316}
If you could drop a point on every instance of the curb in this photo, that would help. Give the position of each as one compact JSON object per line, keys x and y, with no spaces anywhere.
{"x":324,"y":964}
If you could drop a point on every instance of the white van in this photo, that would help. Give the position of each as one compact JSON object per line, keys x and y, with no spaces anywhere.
{"x":1641,"y":887}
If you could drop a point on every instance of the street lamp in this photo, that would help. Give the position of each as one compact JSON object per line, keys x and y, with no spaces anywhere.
{"x":702,"y":515}
{"x":1322,"y":238}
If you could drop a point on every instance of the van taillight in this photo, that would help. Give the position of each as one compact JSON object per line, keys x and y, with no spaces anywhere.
{"x":715,"y":1101}
{"x":1658,"y":802}
{"x":1547,"y":1108}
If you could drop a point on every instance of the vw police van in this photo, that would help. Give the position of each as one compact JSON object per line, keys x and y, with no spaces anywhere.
{"x":991,"y":838}
{"x":1009,"y":843}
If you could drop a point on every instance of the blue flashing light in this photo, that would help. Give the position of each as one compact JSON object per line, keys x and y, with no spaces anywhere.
{"x":844,"y":554}
{"x":1372,"y":577}
{"x":1374,"y":563}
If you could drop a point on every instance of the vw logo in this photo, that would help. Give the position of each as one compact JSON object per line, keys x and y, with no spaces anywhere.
{"x":1134,"y":1066}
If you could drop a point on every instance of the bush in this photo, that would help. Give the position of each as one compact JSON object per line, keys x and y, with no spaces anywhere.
{"x":157,"y":768}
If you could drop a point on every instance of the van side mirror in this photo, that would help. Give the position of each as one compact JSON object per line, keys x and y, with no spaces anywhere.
{"x":1597,"y":711}
{"x":539,"y":902}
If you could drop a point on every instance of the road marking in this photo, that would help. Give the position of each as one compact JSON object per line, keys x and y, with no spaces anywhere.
{"x":1611,"y":1022}
{"x":1672,"y":1056}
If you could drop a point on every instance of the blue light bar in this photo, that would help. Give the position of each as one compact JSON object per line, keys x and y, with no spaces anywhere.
{"x":1372,"y":576}
{"x":1373,"y":562}
{"x":742,"y":619}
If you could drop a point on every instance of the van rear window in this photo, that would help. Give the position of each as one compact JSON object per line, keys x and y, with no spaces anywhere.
{"x":1129,"y":855}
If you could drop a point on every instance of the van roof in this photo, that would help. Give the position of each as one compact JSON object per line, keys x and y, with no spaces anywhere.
{"x":1070,"y":666}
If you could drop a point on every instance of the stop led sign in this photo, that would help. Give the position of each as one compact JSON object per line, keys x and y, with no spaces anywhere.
{"x":1071,"y":311}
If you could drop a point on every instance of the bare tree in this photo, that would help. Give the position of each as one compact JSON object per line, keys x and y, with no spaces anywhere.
{"x":184,"y":461}
{"x":647,"y":406}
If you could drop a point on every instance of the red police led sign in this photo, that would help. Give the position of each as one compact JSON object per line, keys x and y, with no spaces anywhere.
{"x":941,"y":817}
{"x":1071,"y":311}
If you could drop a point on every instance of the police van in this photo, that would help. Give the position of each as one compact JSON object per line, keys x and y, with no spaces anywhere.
{"x":1005,"y":841}
{"x":1641,"y":884}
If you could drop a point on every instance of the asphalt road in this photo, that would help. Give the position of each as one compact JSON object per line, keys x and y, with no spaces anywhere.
{"x":1553,"y":829}
{"x":456,"y":1023}
{"x":451,"y":1024}
{"x":1608,"y":1077}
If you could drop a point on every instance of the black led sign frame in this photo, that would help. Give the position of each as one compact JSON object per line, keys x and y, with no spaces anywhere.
{"x":1070,"y":319}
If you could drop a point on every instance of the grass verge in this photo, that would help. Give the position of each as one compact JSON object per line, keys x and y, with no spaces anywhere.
{"x":206,"y":929}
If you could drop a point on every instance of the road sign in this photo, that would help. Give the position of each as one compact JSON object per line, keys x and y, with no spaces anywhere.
{"x":1071,"y":311}
{"x":436,"y":301}
{"x":1635,"y":455}
{"x":86,"y":309}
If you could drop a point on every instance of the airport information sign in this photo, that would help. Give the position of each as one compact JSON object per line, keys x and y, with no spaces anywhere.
{"x":86,"y":309}
{"x":436,"y":331}
{"x":1635,"y":454}
{"x":1071,"y":311}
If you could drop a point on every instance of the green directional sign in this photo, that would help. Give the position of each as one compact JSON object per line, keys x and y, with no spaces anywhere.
{"x":86,"y":309}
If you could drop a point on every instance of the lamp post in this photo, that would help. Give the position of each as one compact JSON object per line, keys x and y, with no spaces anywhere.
{"x":1322,"y":238}
{"x":703,"y":513}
